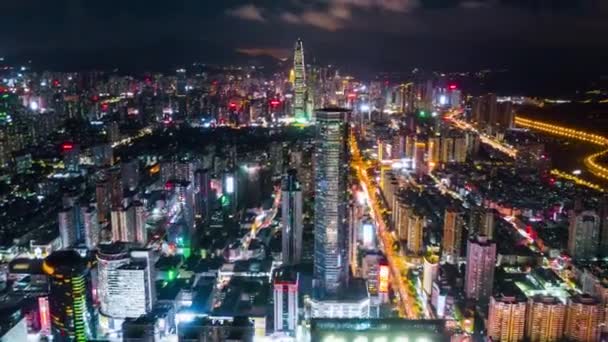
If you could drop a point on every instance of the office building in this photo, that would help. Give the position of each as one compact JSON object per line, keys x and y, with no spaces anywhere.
{"x":203,"y":195}
{"x":507,"y":317}
{"x":583,"y":317}
{"x":102,"y":199}
{"x":70,"y":297}
{"x":402,"y":213}
{"x":481,"y":261}
{"x":331,"y":170}
{"x":583,"y":234}
{"x":452,"y":234}
{"x":291,"y":206}
{"x":546,"y":319}
{"x":286,"y":301}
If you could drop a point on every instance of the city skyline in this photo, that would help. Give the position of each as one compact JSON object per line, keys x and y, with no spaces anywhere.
{"x":518,"y":35}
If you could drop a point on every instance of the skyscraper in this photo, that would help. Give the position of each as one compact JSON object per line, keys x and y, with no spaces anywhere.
{"x":583,"y":319}
{"x":583,"y":234}
{"x":546,"y":318}
{"x":331,"y":171}
{"x":109,"y":258}
{"x":507,"y":318}
{"x":70,"y":300}
{"x":481,"y":261}
{"x":286,"y":301}
{"x":452,"y":234}
{"x":299,"y":85}
{"x":291,"y":207}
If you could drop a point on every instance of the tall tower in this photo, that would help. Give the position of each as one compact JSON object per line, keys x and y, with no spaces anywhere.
{"x":331,"y":171}
{"x":70,"y":297}
{"x":286,"y":302}
{"x":291,"y":206}
{"x":300,"y":82}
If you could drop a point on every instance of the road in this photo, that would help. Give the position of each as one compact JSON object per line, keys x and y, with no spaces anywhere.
{"x":397,"y":264}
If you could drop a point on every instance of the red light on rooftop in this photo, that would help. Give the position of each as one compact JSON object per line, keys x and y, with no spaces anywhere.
{"x":275,"y":102}
{"x":232,"y":105}
{"x":55,"y":83}
{"x":452,"y":87}
{"x":104,"y":107}
{"x":67,"y":147}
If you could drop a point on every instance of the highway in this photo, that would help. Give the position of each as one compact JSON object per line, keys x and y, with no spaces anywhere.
{"x":397,"y":263}
{"x":591,"y":161}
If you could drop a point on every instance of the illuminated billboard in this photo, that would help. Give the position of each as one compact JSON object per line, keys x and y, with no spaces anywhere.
{"x":229,"y":184}
{"x":383,"y":276}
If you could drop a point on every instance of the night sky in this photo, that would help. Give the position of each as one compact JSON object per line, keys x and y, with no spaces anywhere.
{"x":379,"y":34}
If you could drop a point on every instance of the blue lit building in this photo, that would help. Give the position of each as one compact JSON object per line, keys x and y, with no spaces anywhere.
{"x":331,"y":227}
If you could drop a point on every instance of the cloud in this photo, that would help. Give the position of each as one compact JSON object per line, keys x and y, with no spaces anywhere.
{"x":290,"y":18}
{"x":247,"y":12}
{"x":322,"y":20}
{"x":386,"y":5}
{"x":278,"y":53}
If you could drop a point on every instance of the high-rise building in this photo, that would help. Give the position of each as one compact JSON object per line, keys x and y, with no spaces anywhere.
{"x":419,"y":165}
{"x":299,"y":85}
{"x":507,"y":318}
{"x":415,"y":233}
{"x":286,"y":302}
{"x":147,"y":257}
{"x":71,"y":157}
{"x":402,"y":214}
{"x":202,"y":190}
{"x":487,"y":224}
{"x":116,"y":187}
{"x":583,"y":234}
{"x":102,"y":199}
{"x":140,"y":234}
{"x":331,"y":170}
{"x":583,"y":317}
{"x":130,"y":173}
{"x":481,"y":261}
{"x":70,"y":297}
{"x":110,"y":257}
{"x":291,"y":206}
{"x":91,"y":226}
{"x":67,"y":227}
{"x":452,"y":235}
{"x":546,"y":319}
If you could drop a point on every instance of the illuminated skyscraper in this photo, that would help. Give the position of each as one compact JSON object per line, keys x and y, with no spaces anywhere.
{"x":481,"y":261}
{"x":507,"y":318}
{"x":300,"y":82}
{"x":331,"y":172}
{"x":291,"y":207}
{"x":583,"y":319}
{"x":546,"y":318}
{"x":415,"y":243}
{"x":70,"y":300}
{"x":452,"y":234}
{"x":286,"y":302}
